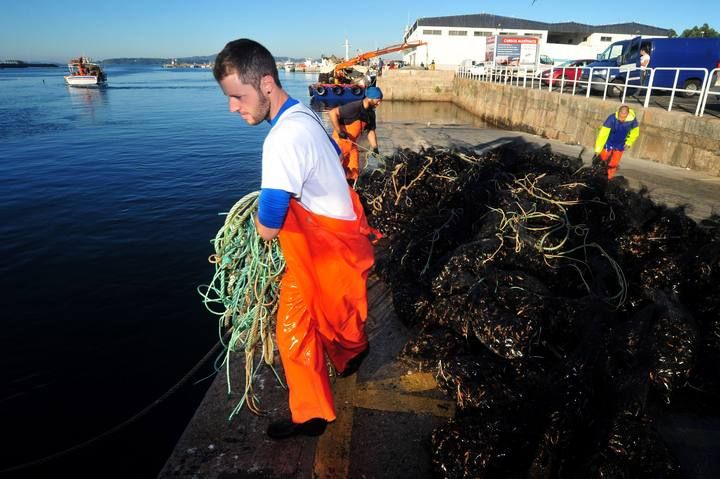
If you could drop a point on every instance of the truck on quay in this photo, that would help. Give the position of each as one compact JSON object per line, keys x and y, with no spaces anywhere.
{"x":346,"y":81}
{"x":677,"y":63}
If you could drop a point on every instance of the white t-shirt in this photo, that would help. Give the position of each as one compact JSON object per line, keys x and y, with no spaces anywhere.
{"x":299,"y":158}
{"x":644,"y":60}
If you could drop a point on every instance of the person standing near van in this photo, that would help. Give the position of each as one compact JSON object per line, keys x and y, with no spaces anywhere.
{"x":619,"y":132}
{"x":644,"y":63}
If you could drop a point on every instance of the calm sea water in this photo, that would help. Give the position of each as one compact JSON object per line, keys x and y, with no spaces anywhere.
{"x":109,"y":199}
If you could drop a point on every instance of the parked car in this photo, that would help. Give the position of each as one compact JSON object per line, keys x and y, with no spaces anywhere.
{"x":571,"y":72}
{"x":473,"y":67}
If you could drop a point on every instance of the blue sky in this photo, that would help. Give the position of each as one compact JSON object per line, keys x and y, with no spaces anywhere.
{"x":56,"y":30}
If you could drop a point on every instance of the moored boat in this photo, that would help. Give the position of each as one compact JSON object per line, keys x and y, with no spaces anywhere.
{"x":289,"y":66}
{"x":84,"y":72}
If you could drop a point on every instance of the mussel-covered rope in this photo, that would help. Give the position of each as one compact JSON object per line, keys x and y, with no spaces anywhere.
{"x":243,"y":293}
{"x":513,"y":224}
{"x":546,"y":221}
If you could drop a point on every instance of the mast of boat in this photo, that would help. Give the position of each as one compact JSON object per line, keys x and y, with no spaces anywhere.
{"x":347,"y":50}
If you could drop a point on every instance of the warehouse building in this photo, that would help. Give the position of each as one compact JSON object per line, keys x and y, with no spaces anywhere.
{"x":452,"y":39}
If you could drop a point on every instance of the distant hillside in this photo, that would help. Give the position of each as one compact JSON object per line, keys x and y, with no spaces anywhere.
{"x":138,"y":61}
{"x":162,"y":61}
{"x":22,"y":64}
{"x":284,"y":59}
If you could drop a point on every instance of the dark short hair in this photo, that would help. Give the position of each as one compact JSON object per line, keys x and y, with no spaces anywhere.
{"x":249,"y":59}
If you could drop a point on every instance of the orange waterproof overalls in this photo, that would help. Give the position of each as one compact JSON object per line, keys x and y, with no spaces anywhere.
{"x":323,"y":303}
{"x":351,"y":157}
{"x":613,"y":156}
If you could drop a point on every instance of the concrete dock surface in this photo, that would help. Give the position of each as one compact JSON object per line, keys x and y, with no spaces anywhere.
{"x":385,"y":415}
{"x":387,"y":411}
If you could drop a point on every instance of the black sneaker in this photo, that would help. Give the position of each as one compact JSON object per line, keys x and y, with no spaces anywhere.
{"x":285,"y":428}
{"x":354,"y":364}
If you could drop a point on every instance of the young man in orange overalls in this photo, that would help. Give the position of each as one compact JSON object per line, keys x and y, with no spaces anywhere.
{"x":349,"y":121}
{"x":305,"y":201}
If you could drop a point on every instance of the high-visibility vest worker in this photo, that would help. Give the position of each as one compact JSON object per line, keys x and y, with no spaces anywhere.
{"x":618,"y":133}
{"x":349,"y":121}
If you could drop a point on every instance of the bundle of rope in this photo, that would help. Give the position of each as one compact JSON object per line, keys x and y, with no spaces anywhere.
{"x":243,"y":293}
{"x":547,"y":228}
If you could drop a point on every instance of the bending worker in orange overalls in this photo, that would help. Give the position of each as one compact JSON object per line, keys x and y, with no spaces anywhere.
{"x":619,"y":132}
{"x":349,"y":121}
{"x":305,"y":201}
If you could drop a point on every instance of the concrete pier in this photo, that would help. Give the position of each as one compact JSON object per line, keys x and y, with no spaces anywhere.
{"x":386,"y":413}
{"x":388,"y":410}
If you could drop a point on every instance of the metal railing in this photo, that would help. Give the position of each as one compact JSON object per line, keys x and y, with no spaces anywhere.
{"x":712,"y":88}
{"x":619,"y":82}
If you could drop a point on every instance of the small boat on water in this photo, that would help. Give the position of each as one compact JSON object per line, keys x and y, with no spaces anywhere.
{"x":84,"y":72}
{"x":289,"y":66}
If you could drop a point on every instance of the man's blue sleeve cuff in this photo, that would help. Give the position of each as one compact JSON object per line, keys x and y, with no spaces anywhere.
{"x":273,"y":207}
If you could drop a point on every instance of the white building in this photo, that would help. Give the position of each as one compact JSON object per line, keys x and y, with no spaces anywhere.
{"x":452,"y":39}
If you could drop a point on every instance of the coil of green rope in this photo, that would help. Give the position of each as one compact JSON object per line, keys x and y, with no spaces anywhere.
{"x":243,"y":293}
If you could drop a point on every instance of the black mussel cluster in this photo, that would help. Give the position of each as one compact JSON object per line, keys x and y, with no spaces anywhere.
{"x":564,"y":313}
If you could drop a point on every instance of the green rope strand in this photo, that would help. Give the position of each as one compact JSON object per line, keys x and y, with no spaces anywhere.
{"x":243,"y":294}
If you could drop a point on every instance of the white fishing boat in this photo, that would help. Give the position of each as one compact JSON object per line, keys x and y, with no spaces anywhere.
{"x":84,"y":72}
{"x":289,"y":66}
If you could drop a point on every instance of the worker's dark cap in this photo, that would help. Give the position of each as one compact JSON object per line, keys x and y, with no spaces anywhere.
{"x":374,"y":93}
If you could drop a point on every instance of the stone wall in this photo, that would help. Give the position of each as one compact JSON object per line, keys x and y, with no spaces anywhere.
{"x":417,"y":85}
{"x":674,"y":138}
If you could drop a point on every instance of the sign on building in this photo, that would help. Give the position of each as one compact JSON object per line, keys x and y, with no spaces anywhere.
{"x":505,"y":50}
